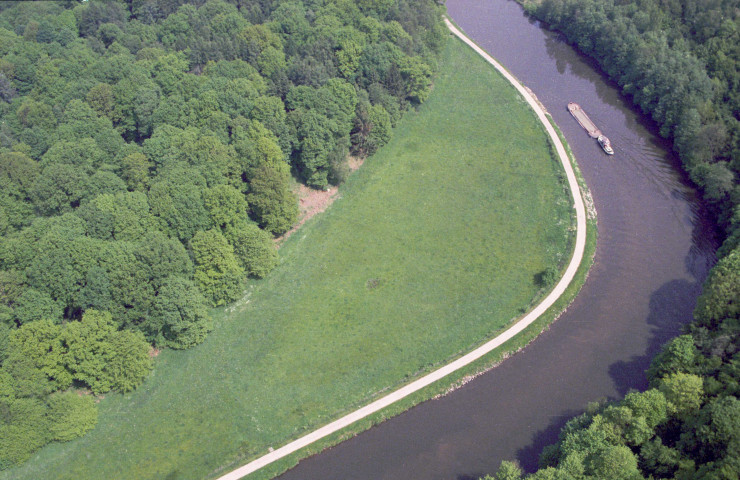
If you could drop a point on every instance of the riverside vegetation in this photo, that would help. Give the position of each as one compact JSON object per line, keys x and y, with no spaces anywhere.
{"x":179,"y":127}
{"x":422,"y":257}
{"x":146,"y":151}
{"x":678,"y":61}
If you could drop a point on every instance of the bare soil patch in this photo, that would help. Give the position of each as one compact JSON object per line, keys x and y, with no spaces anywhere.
{"x":312,"y":202}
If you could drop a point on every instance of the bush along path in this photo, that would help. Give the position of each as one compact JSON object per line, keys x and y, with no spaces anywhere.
{"x":486,"y":348}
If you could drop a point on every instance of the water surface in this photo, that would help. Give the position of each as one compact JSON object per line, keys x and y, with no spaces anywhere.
{"x":654,"y":250}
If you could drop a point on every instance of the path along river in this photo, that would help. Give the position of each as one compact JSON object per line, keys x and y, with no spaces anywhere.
{"x":654,"y":250}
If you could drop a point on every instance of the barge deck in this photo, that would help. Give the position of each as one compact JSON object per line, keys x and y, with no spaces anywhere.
{"x":583,"y":120}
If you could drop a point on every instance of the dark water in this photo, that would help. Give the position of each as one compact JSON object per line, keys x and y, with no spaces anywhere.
{"x":654,"y":250}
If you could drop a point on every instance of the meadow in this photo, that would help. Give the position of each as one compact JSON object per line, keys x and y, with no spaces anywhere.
{"x":434,"y":245}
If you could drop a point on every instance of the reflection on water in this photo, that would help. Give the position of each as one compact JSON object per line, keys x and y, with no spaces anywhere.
{"x":655,"y":248}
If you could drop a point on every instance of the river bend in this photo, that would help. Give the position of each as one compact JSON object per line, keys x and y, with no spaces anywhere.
{"x":654,"y":250}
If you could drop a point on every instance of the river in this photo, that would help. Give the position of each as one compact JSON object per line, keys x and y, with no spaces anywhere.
{"x":654,"y":250}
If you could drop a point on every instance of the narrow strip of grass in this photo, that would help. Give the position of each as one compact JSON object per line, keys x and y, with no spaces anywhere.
{"x":433,"y":247}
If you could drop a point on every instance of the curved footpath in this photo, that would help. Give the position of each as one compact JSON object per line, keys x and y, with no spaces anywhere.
{"x":486,"y":348}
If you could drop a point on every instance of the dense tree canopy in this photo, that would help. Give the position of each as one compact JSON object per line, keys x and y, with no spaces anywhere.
{"x":148,"y":152}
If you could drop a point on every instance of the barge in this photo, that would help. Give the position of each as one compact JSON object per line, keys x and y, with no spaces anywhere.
{"x":590,"y":127}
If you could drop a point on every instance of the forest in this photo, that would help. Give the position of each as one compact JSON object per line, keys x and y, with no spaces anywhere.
{"x":677,"y":61}
{"x":148,"y":154}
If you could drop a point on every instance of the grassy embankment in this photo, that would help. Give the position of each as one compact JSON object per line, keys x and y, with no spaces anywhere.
{"x":433,"y":247}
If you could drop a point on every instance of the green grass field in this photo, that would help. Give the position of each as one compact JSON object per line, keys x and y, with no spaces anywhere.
{"x":432,"y":248}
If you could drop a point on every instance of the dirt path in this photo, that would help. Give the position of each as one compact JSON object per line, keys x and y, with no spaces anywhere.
{"x":479,"y":352}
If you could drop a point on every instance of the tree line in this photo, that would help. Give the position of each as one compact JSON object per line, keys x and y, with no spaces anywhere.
{"x":678,"y":61}
{"x":685,"y":426}
{"x":147,"y":155}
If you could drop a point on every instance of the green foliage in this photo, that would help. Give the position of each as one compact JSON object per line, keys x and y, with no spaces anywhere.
{"x":323,"y":121}
{"x":81,"y":123}
{"x":34,"y":305}
{"x":715,"y":432}
{"x":253,"y":248}
{"x":100,"y":98}
{"x":273,"y":204}
{"x":131,"y":362}
{"x":59,"y":188}
{"x":615,"y":462}
{"x":380,"y":130}
{"x":83,"y":154}
{"x":316,"y":142}
{"x":225,"y":205}
{"x":651,"y":405}
{"x":136,"y":171}
{"x":4,"y":340}
{"x":627,"y":428}
{"x":507,"y":471}
{"x":417,"y":75}
{"x":160,"y":256}
{"x":22,"y":378}
{"x":60,"y":268}
{"x":256,"y":145}
{"x":131,"y":292}
{"x":71,"y":414}
{"x":120,"y":216}
{"x":372,"y":129}
{"x":96,"y":293}
{"x":547,"y":277}
{"x":180,"y":316}
{"x":18,"y":173}
{"x":216,"y":269}
{"x":179,"y":207}
{"x":39,"y":347}
{"x":679,"y":355}
{"x":23,"y":429}
{"x":658,"y":459}
{"x":36,"y":114}
{"x":262,"y":48}
{"x":719,"y":299}
{"x":131,"y":129}
{"x":270,"y":112}
{"x":88,"y":351}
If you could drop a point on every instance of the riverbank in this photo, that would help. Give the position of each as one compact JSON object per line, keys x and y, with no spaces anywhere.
{"x":561,"y":293}
{"x":654,"y":249}
{"x":337,"y":323}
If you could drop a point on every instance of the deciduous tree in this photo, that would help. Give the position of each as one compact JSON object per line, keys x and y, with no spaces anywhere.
{"x":38,"y":346}
{"x":71,"y":415}
{"x":253,"y":247}
{"x":225,"y":205}
{"x":271,"y":201}
{"x":180,"y":315}
{"x":216,"y":269}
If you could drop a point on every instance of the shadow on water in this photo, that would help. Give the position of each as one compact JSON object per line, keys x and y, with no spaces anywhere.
{"x":672,"y":305}
{"x":528,"y":457}
{"x":668,"y":307}
{"x":566,"y":58}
